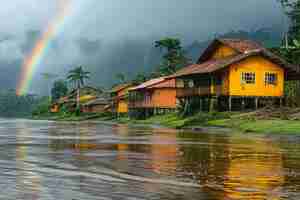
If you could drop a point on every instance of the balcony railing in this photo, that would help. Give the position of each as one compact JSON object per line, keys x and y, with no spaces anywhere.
{"x":185,"y":92}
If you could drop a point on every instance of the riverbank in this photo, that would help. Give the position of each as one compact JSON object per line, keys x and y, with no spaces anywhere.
{"x":268,"y":120}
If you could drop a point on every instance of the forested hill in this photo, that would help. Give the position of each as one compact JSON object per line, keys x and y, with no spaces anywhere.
{"x":137,"y":57}
{"x":12,"y":105}
{"x":127,"y":56}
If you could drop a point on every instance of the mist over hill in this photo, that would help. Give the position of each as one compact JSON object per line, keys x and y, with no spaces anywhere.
{"x":109,"y":37}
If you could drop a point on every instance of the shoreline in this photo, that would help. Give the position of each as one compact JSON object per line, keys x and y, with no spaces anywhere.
{"x":202,"y":122}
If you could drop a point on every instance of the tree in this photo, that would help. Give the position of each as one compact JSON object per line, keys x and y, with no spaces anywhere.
{"x":174,"y":57}
{"x":49,"y":77}
{"x":140,"y":78}
{"x":12,"y":105}
{"x":78,"y":77}
{"x":291,"y":49}
{"x":59,"y":89}
{"x":121,"y":78}
{"x":292,"y":9}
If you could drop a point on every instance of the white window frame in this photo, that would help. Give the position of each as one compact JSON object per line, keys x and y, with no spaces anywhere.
{"x":269,"y":80}
{"x":248,"y":78}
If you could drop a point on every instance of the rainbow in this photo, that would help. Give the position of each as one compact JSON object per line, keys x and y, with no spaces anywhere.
{"x":33,"y":60}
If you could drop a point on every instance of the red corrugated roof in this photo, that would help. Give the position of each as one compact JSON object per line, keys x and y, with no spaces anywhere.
{"x":167,"y":83}
{"x":161,"y":82}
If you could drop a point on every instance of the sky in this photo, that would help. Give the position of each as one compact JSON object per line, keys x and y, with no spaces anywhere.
{"x":95,"y":30}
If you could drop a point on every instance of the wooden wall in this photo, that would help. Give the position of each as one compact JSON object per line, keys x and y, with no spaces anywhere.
{"x":260,"y":66}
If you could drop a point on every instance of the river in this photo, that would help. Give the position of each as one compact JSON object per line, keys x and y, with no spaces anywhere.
{"x":41,"y":160}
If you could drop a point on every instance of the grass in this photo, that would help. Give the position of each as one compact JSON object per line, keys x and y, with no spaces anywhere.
{"x":173,"y":120}
{"x":276,"y":126}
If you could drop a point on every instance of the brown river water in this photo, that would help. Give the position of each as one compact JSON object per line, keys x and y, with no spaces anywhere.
{"x":41,"y":160}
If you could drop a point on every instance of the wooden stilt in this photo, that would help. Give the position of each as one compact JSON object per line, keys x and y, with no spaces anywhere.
{"x":256,"y":103}
{"x":243,"y":103}
{"x":212,"y":106}
{"x":230,"y":103}
{"x":201,"y":106}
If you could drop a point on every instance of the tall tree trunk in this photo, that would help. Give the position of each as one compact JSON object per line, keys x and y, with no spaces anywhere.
{"x":78,"y":97}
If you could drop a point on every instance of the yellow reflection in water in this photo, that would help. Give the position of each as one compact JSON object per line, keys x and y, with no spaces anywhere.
{"x":164,"y":153}
{"x":256,"y":173}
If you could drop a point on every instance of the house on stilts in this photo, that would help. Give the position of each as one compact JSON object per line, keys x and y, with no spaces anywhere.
{"x":233,"y":74}
{"x":119,"y":99}
{"x":156,"y":96}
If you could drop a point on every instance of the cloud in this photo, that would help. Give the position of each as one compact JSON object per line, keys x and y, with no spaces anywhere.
{"x":109,"y":36}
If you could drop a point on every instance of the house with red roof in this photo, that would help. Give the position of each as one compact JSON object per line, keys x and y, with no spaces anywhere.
{"x":119,"y":98}
{"x":233,"y":74}
{"x":152,"y":97}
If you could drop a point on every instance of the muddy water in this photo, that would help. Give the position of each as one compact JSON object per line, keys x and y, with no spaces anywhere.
{"x":87,"y":161}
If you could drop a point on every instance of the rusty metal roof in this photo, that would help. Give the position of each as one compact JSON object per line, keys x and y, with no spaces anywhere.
{"x":98,"y":101}
{"x":241,"y":45}
{"x":161,"y":82}
{"x":217,"y":64}
{"x":120,"y":87}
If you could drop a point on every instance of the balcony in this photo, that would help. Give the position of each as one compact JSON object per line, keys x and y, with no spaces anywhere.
{"x":200,"y":91}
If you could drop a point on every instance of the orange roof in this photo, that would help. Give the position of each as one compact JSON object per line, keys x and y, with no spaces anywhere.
{"x":161,"y":82}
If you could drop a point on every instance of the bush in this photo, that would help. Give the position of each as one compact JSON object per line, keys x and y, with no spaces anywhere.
{"x":42,"y":107}
{"x":292,"y":93}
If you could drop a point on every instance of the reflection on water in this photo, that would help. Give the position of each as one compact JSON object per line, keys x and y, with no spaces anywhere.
{"x":96,"y":161}
{"x":256,"y":173}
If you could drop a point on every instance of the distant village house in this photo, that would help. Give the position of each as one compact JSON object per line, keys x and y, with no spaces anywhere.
{"x":152,"y":97}
{"x":119,"y":95}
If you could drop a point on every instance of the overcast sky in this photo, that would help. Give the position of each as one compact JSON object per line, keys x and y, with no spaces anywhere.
{"x":95,"y":22}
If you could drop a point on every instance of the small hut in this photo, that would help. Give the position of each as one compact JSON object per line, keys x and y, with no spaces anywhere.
{"x":152,"y":97}
{"x":99,"y":105}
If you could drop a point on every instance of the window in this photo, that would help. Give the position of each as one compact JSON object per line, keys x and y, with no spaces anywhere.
{"x":188,"y":83}
{"x":270,"y":78}
{"x":248,"y":78}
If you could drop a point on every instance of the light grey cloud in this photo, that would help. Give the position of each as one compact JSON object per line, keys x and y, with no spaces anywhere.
{"x":115,"y":35}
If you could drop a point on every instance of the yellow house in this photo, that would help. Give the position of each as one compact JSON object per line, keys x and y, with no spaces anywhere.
{"x":234,"y":74}
{"x":119,"y":96}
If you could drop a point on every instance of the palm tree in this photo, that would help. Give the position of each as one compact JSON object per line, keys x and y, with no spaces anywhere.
{"x":174,"y":57}
{"x":78,"y":77}
{"x":49,"y":77}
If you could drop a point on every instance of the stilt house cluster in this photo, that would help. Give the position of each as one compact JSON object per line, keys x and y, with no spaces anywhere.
{"x":231,"y":74}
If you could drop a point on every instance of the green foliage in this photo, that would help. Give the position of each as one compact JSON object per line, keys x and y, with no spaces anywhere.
{"x":59,"y":89}
{"x":292,"y":93}
{"x":260,"y":126}
{"x":121,"y":78}
{"x":140,"y":78}
{"x":42,"y":106}
{"x":78,"y":76}
{"x":12,"y":105}
{"x":174,"y":57}
{"x":292,"y":8}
